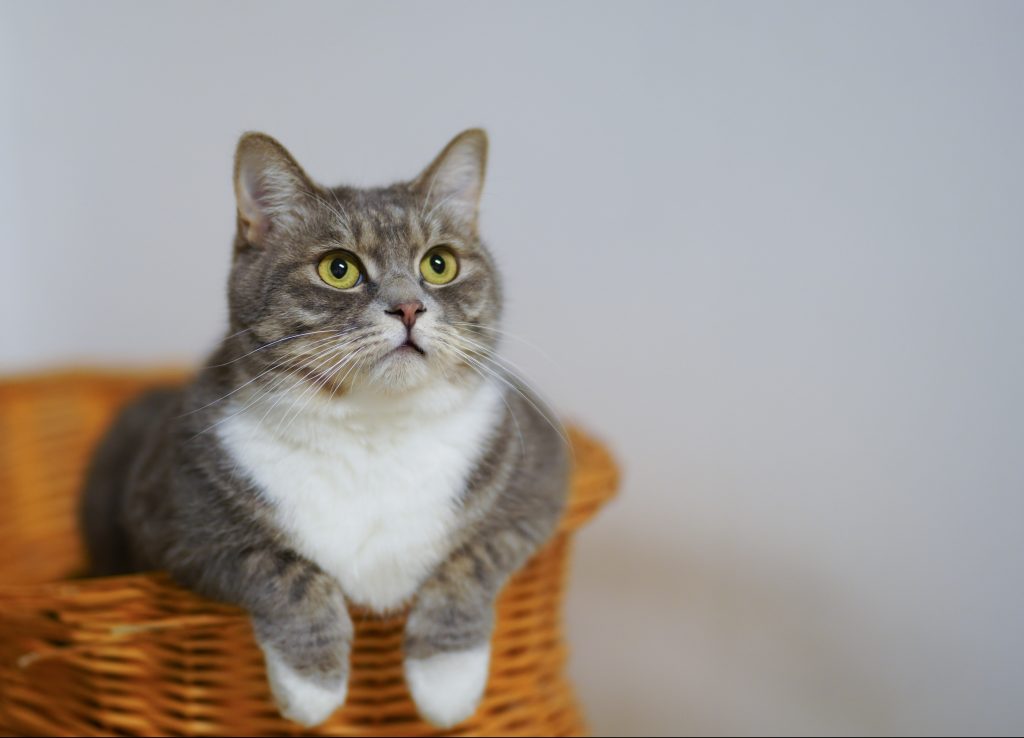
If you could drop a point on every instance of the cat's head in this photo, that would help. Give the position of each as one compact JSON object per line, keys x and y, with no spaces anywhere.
{"x":387,"y":288}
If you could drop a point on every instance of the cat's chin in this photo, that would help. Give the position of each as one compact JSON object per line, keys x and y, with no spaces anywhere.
{"x":403,"y":369}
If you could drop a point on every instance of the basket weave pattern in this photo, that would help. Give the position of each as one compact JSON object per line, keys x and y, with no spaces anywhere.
{"x":137,"y":655}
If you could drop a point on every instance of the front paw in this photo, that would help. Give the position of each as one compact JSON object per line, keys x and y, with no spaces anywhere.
{"x":447,"y":686}
{"x":300,"y":698}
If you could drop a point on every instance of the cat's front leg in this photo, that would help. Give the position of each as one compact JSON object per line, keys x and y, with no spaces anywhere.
{"x":307,"y":659}
{"x":448,"y":631}
{"x":306,"y":637}
{"x":448,"y":648}
{"x":303,"y":627}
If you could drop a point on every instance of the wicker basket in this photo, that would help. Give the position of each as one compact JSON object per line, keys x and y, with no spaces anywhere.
{"x":137,"y":655}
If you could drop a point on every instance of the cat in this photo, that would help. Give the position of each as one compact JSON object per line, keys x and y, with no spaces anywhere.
{"x":352,"y":440}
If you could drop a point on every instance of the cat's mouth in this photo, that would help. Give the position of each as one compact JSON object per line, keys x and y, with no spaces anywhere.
{"x":410,"y":345}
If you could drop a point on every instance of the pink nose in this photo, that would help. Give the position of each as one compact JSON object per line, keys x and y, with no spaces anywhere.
{"x":407,"y":312}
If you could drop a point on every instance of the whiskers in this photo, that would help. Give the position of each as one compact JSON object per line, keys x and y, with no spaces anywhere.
{"x":502,"y":333}
{"x":485,"y":361}
{"x":286,"y":389}
{"x":314,"y":367}
{"x":321,"y":378}
{"x":265,"y":346}
{"x":284,"y":363}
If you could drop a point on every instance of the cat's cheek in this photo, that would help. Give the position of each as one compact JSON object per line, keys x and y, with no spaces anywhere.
{"x":447,"y":686}
{"x":301,"y":699}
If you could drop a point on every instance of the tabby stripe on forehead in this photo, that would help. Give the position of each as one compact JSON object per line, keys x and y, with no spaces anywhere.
{"x":392,"y":230}
{"x":414,"y":224}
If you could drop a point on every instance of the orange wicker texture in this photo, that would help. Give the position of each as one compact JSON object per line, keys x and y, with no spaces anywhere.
{"x":137,"y":655}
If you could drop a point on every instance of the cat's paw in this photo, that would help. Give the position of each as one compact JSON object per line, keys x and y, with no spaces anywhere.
{"x":447,"y":687}
{"x":299,"y":698}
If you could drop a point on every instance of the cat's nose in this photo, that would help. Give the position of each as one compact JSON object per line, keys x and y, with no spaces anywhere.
{"x":407,"y":312}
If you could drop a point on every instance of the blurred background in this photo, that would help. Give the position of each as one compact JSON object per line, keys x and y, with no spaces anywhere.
{"x":772,"y":251}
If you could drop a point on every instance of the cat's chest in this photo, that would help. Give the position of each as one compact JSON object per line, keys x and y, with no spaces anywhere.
{"x":375,"y":506}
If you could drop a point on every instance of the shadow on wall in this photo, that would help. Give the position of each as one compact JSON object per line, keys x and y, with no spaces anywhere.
{"x":714,"y":645}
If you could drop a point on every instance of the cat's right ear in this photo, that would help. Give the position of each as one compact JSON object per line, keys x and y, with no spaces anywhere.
{"x":270,"y":187}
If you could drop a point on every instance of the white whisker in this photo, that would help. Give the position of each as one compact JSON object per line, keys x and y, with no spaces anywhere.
{"x":487,"y":351}
{"x":503,"y":333}
{"x":271,"y":368}
{"x":265,"y":392}
{"x":341,"y":216}
{"x":272,"y":343}
{"x":511,"y":412}
{"x":316,"y":386}
{"x":330,"y":356}
{"x":555,"y":425}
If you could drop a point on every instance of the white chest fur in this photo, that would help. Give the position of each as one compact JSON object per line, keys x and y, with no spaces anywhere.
{"x":368,"y":490}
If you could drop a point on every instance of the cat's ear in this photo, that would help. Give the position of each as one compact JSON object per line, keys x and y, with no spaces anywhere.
{"x":455,"y":179}
{"x":270,"y":186}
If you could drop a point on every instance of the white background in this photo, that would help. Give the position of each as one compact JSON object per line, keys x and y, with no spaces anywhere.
{"x":774,"y":252}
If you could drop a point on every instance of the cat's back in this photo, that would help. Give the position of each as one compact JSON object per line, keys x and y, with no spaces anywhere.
{"x":138,"y":426}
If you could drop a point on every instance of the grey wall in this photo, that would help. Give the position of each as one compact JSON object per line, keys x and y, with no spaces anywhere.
{"x":773,"y":251}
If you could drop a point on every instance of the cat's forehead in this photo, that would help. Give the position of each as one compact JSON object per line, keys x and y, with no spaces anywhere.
{"x":385,"y":224}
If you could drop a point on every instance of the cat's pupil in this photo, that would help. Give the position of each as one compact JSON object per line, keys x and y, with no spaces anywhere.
{"x":339,"y":268}
{"x":437,"y":263}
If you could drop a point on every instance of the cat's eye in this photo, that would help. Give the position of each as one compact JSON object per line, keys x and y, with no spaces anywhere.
{"x":340,"y":269}
{"x":439,"y":266}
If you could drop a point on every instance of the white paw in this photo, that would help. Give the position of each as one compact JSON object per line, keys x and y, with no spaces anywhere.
{"x":447,"y":687}
{"x":301,"y":699}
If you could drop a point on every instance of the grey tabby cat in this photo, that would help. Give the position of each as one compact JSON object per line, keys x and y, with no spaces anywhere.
{"x":352,"y":439}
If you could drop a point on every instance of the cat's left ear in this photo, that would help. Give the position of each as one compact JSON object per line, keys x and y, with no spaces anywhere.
{"x":455,"y":179}
{"x":270,"y":187}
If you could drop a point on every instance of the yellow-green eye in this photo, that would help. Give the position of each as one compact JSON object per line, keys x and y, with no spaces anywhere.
{"x":439,"y":266}
{"x":340,"y":269}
